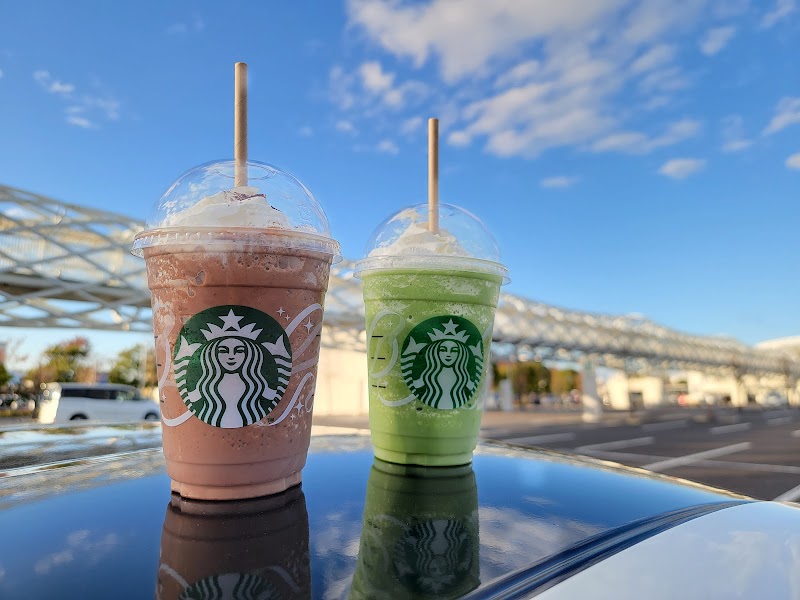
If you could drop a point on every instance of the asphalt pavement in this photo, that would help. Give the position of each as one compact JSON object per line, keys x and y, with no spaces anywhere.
{"x":753,"y":451}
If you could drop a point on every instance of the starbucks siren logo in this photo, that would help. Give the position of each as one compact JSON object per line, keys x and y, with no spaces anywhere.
{"x":232,"y":365}
{"x":244,"y":586}
{"x":442,"y":361}
{"x":435,"y":557}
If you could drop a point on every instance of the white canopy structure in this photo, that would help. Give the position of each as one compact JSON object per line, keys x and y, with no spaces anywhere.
{"x":63,"y":265}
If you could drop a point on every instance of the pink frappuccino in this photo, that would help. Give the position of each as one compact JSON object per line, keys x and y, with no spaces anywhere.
{"x":238,"y":278}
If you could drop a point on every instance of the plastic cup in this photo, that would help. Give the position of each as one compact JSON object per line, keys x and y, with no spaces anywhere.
{"x":430,"y":305}
{"x":238,"y":280}
{"x":419,"y":538}
{"x":245,"y":549}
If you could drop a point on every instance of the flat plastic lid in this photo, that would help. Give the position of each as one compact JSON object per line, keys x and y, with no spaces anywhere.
{"x":273,"y":209}
{"x":462,"y":243}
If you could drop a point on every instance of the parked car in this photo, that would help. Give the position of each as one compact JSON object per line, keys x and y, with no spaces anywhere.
{"x":97,"y":401}
{"x":517,"y":523}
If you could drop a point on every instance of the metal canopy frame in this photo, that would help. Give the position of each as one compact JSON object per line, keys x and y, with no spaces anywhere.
{"x":67,"y":266}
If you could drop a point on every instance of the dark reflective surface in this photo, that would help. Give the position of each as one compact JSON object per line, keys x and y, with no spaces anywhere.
{"x":93,"y":529}
{"x":248,"y":550}
{"x":419,"y":537}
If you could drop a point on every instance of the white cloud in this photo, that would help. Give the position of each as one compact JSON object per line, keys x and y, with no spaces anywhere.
{"x":196,"y":25}
{"x":786,"y":113}
{"x":634,"y":142}
{"x":559,"y":71}
{"x":681,"y":168}
{"x":734,"y":139}
{"x":306,"y":131}
{"x":53,"y":86}
{"x":782,"y":9}
{"x":387,"y":147}
{"x":374,"y":79}
{"x":558,"y":182}
{"x":83,"y":108}
{"x":520,"y":73}
{"x":79,"y":121}
{"x":466,"y":35}
{"x":716,"y":39}
{"x":345,"y":126}
{"x":793,"y":162}
{"x":657,"y":56}
{"x":411,"y":125}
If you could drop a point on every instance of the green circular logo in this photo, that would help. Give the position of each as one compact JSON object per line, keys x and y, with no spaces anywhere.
{"x":442,"y":361}
{"x":232,"y":365}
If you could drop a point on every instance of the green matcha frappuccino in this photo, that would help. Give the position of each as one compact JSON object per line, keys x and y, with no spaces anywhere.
{"x":430,"y":303}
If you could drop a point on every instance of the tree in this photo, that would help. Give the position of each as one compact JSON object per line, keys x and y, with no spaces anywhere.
{"x":5,"y":376}
{"x":63,"y":362}
{"x":127,"y":368}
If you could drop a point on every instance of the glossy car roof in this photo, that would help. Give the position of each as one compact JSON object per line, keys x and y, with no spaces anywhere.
{"x":517,"y":519}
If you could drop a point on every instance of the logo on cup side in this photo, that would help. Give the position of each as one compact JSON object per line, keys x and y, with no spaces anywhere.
{"x":231,"y":585}
{"x":442,"y":361}
{"x":232,"y":365}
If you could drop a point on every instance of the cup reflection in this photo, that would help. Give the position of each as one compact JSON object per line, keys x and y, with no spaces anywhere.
{"x":420,"y":534}
{"x":242,"y":550}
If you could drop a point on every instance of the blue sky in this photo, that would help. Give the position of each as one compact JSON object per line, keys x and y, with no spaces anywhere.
{"x":630,"y":155}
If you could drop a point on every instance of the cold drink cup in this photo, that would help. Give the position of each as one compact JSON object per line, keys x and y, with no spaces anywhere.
{"x":430,"y":304}
{"x":419,"y":537}
{"x":238,"y":279}
{"x":242,"y":549}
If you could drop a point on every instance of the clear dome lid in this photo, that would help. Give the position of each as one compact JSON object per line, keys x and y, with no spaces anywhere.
{"x":462,"y":243}
{"x":273,"y":209}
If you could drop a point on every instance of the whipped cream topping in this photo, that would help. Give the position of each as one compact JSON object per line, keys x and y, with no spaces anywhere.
{"x":243,"y":206}
{"x":417,"y":240}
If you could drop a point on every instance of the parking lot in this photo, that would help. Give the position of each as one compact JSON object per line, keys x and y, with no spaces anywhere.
{"x":755,"y":452}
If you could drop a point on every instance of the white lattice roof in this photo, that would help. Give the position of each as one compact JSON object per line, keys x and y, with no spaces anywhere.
{"x":63,"y":265}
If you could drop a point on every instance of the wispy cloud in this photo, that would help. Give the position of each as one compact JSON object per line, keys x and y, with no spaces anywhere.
{"x":1,"y":73}
{"x":51,"y":85}
{"x":306,"y":131}
{"x":734,"y":138}
{"x":387,"y":147}
{"x":590,"y":55}
{"x":786,"y":113}
{"x":558,"y":182}
{"x":82,"y":110}
{"x":195,"y":25}
{"x":782,"y":9}
{"x":716,"y":39}
{"x":793,"y":162}
{"x":411,"y":125}
{"x":634,"y":142}
{"x":345,"y":126}
{"x":681,"y":168}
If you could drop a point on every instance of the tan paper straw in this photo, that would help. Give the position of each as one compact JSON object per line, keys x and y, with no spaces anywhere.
{"x":433,"y":175}
{"x":240,"y":124}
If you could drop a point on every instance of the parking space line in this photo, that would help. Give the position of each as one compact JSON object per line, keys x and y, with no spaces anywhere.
{"x":682,"y":461}
{"x":790,"y":495}
{"x":780,"y":421}
{"x":641,"y":441}
{"x":725,"y":464}
{"x":665,"y":425}
{"x":542,"y":439}
{"x":730,"y":428}
{"x":796,"y":433}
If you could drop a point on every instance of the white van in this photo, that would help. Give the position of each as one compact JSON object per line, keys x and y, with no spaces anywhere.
{"x":96,"y":401}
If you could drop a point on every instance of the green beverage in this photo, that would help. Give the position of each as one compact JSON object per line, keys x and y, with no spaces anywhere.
{"x":430,"y":305}
{"x":420,"y":534}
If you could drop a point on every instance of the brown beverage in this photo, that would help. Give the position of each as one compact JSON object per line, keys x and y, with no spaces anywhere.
{"x":237,"y":316}
{"x":248,"y":549}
